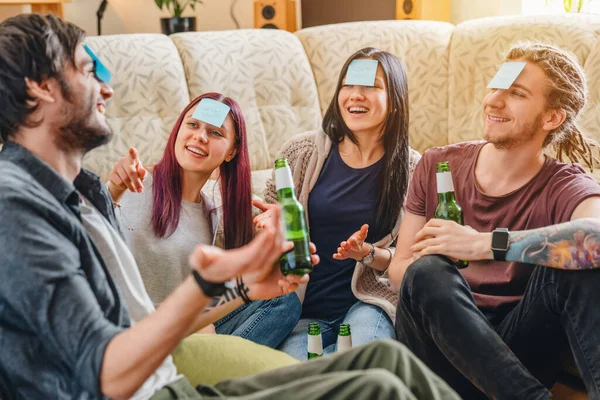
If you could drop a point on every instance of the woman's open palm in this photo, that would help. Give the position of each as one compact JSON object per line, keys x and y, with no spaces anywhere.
{"x":353,"y":247}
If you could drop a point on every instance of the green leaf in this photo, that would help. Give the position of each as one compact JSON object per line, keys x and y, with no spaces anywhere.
{"x":159,"y":3}
{"x":580,"y":5}
{"x":184,"y":6}
{"x":568,"y":4}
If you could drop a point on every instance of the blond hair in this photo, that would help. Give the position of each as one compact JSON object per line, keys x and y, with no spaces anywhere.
{"x":567,"y":90}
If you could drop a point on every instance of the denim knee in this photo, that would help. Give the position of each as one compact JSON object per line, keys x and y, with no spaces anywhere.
{"x":430,"y":277}
{"x":288,"y":309}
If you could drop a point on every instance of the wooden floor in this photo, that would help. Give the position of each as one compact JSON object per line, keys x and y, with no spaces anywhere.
{"x":565,"y":391}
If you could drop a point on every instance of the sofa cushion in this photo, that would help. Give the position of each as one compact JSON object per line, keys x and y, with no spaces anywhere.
{"x":259,"y":181}
{"x":150,"y":92}
{"x":209,"y":359}
{"x":421,"y":45}
{"x":589,"y":121}
{"x":266,"y":72}
{"x":477,"y":50}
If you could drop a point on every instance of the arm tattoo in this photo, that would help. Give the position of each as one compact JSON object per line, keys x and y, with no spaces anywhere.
{"x":573,"y":245}
{"x":230,"y":295}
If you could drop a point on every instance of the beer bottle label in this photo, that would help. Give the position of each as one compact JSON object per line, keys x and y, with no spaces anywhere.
{"x":344,"y":343}
{"x":283,"y":178}
{"x":315,"y":344}
{"x":444,"y":182}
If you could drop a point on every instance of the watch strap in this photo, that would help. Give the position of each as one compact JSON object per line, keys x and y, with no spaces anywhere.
{"x":210,"y":289}
{"x":368,"y":259}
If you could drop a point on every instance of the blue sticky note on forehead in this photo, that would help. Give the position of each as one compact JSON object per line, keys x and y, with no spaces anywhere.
{"x":506,"y":75}
{"x":362,"y":72}
{"x":212,"y":112}
{"x":101,"y":71}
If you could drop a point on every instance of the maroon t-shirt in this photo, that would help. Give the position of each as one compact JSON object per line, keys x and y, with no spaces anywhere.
{"x":547,"y":199}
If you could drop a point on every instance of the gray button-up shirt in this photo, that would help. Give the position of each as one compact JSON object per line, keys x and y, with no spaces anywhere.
{"x":59,"y":306}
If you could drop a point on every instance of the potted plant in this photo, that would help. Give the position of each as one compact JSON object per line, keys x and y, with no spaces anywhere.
{"x":568,"y":5}
{"x":177,"y":23}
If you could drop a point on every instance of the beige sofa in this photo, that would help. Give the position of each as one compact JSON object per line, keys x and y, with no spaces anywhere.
{"x":285,"y":81}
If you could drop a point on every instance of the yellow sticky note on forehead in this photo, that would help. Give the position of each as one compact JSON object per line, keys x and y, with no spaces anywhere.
{"x":506,"y":75}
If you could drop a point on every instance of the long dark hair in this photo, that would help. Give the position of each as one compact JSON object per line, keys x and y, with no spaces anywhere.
{"x":236,"y":184}
{"x":393,"y":179}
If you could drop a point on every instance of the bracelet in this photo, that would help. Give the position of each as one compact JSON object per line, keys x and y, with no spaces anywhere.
{"x":368,"y":259}
{"x":242,"y":290}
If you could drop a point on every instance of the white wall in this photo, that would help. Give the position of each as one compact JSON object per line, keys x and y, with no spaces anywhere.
{"x":463,"y":10}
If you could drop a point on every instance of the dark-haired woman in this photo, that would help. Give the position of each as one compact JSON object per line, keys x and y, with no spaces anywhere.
{"x":167,"y":220}
{"x":352,"y":177}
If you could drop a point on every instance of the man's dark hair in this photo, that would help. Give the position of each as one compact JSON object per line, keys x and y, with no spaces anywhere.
{"x":35,"y":47}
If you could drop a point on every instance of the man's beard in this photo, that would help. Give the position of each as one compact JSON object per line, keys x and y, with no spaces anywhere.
{"x":509,"y":141}
{"x":82,"y":131}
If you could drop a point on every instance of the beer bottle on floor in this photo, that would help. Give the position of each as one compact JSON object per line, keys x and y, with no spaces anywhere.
{"x":447,"y":207}
{"x":296,"y":261}
{"x":315,"y":342}
{"x":344,"y":341}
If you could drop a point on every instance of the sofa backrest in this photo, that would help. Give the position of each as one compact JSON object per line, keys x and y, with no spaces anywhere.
{"x":266,"y":72}
{"x":477,"y":49}
{"x":422,"y":46}
{"x":284,"y":82}
{"x":150,"y":92}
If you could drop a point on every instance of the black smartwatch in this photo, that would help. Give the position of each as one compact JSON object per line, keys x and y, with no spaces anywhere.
{"x":209,"y":288}
{"x":500,"y":243}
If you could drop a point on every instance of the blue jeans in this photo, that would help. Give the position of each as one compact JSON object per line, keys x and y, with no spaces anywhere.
{"x":265,"y":322}
{"x":517,"y":355}
{"x":367,"y":323}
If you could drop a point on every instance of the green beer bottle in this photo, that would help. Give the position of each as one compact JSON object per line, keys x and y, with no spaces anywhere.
{"x":315,"y":342}
{"x":344,"y":341}
{"x":296,"y":261}
{"x":447,"y":207}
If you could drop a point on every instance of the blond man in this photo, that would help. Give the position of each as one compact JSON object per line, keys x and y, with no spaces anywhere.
{"x":501,"y":326}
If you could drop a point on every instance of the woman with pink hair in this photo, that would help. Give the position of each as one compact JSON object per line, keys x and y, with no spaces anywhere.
{"x":167,"y":214}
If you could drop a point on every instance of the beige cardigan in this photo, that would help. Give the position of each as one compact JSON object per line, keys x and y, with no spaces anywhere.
{"x":306,"y":154}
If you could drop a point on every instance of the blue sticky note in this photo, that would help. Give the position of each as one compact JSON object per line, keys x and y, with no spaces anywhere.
{"x":506,"y":75}
{"x":212,"y":112}
{"x":362,"y":72}
{"x":101,"y":71}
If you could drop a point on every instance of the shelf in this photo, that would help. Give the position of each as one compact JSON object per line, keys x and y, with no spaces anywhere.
{"x":28,"y":2}
{"x":39,"y":6}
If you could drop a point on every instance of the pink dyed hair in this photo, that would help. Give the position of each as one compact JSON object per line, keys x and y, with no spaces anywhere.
{"x":235,"y":177}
